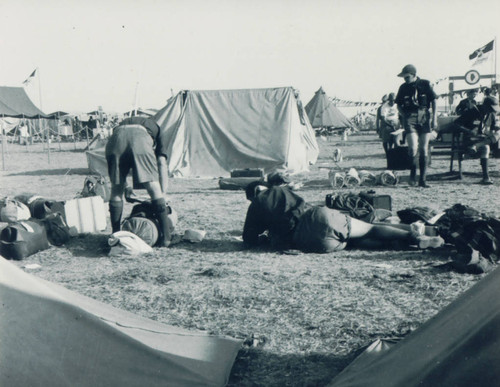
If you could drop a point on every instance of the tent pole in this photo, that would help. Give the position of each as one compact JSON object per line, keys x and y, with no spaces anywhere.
{"x":87,"y":134}
{"x":48,"y":139}
{"x":58,"y":134}
{"x":3,"y":145}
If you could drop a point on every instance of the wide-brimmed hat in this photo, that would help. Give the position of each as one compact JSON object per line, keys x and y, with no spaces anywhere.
{"x":409,"y":69}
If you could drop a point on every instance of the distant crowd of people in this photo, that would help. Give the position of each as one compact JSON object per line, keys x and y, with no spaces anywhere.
{"x":410,"y":117}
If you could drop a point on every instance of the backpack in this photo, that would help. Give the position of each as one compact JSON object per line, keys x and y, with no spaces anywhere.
{"x":352,"y":204}
{"x":96,"y":186}
{"x":40,"y":207}
{"x":143,"y":222}
{"x":57,"y":230}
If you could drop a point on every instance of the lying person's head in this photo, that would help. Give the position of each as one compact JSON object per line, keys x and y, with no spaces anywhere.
{"x":254,"y":188}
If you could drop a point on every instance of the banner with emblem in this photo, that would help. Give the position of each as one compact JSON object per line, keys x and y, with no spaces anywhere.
{"x":482,"y":54}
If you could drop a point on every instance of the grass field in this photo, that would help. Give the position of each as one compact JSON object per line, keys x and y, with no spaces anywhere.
{"x":303,"y":317}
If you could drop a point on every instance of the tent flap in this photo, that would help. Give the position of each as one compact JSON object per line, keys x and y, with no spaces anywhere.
{"x":50,"y":336}
{"x":458,"y":347}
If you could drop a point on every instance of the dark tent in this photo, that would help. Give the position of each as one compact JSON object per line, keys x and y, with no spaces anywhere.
{"x":458,"y":347}
{"x":323,"y":114}
{"x":14,"y":102}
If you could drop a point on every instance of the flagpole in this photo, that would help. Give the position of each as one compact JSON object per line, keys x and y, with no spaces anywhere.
{"x":495,"y":44}
{"x":39,"y":89}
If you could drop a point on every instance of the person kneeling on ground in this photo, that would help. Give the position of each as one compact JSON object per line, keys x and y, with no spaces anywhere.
{"x":139,"y":144}
{"x":290,"y":222}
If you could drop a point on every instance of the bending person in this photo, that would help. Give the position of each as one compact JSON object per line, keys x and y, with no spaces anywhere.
{"x":138,"y":144}
{"x":281,"y":217}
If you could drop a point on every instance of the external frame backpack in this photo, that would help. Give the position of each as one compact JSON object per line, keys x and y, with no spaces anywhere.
{"x":96,"y":186}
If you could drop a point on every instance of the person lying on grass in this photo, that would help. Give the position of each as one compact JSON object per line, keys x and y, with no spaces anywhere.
{"x":279,"y":216}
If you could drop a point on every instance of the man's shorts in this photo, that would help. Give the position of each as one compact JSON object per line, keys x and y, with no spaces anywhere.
{"x":322,"y":230}
{"x":418,"y":122}
{"x":131,"y":147}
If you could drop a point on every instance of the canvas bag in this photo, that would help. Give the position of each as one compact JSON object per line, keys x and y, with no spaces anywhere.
{"x":96,"y":186}
{"x":40,"y":207}
{"x":12,"y":210}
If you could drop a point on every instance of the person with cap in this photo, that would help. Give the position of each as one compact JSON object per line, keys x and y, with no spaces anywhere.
{"x":281,"y":218}
{"x":416,"y":102}
{"x":389,"y":122}
{"x":378,"y":117}
{"x":489,"y":133}
{"x":138,"y":144}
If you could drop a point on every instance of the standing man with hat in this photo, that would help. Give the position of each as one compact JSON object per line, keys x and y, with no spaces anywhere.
{"x":416,"y":102}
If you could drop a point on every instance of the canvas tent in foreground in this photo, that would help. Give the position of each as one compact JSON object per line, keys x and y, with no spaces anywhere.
{"x":215,"y":131}
{"x":50,"y":336}
{"x":323,"y":114}
{"x":459,"y":347}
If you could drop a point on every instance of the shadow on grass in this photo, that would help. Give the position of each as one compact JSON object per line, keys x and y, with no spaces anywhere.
{"x":358,"y":157}
{"x":53,"y":172}
{"x":211,"y":246}
{"x":89,"y":245}
{"x":257,"y":367}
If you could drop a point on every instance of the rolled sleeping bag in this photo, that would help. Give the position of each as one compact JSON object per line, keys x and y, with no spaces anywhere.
{"x":388,"y":178}
{"x":145,"y":228}
{"x":367,"y":178}
{"x":143,"y":223}
{"x":336,"y":179}
{"x":352,"y":178}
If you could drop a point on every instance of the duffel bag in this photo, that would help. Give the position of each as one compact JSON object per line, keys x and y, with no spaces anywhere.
{"x":22,"y":239}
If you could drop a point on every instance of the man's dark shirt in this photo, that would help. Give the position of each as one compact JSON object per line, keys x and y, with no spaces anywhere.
{"x":468,"y":111}
{"x":276,"y":210}
{"x":414,"y":96}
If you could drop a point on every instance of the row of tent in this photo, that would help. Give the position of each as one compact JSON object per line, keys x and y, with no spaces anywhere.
{"x":213,"y":132}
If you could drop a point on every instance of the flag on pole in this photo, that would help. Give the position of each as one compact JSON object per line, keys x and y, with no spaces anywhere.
{"x":28,"y":80}
{"x":482,"y":53}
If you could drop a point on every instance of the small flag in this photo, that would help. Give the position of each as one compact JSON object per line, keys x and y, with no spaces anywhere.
{"x":28,"y":80}
{"x":481,"y":54}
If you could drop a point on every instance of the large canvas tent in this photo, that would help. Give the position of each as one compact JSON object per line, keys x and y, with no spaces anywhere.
{"x":323,"y":114}
{"x":212,"y":132}
{"x":459,"y":347}
{"x":14,"y":102}
{"x":50,"y":336}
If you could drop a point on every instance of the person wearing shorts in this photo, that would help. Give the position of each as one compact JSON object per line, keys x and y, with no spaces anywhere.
{"x":138,"y":144}
{"x":416,"y":102}
{"x":489,"y":133}
{"x":317,"y":229}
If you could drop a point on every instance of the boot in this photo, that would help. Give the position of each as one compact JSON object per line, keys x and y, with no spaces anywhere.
{"x":423,"y":169}
{"x":486,"y":176}
{"x":115,"y":213}
{"x":161,"y":213}
{"x":413,"y":172}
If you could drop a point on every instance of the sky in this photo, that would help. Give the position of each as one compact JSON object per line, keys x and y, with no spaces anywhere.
{"x":128,"y":53}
